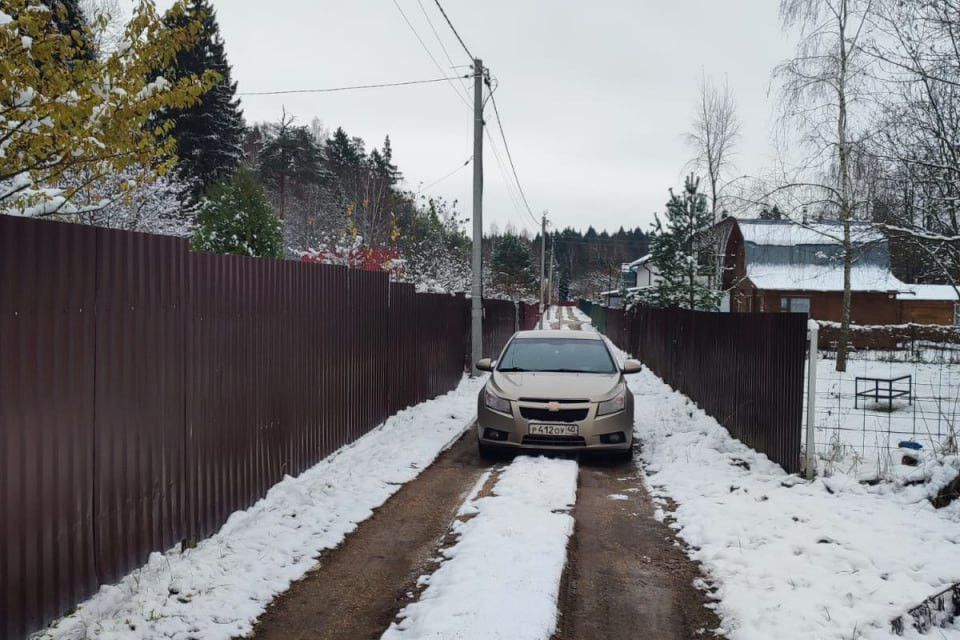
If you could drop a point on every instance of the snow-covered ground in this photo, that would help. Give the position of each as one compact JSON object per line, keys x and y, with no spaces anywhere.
{"x":218,"y":589}
{"x":863,"y":441}
{"x":502,"y":577}
{"x":790,"y":559}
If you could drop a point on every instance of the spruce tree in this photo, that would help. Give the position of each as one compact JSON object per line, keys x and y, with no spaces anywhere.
{"x":512,"y":264}
{"x":342,"y":154}
{"x":210,"y":134}
{"x":682,"y":256}
{"x":290,"y":159}
{"x":236,"y":218}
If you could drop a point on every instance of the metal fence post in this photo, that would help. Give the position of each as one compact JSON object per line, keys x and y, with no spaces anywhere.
{"x":810,"y":466}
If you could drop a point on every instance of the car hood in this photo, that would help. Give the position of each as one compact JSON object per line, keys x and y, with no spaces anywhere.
{"x":555,"y":386}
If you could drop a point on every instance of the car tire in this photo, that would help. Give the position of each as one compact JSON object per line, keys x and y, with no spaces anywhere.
{"x":624,"y":456}
{"x":487,"y":452}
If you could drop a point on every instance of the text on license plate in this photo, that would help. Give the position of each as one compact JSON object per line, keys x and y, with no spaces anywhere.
{"x":554,"y":429}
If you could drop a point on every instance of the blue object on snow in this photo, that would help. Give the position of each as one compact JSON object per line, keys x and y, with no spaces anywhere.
{"x":910,"y":444}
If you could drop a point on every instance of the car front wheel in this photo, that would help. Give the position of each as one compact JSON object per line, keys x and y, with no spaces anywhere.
{"x":486,"y":451}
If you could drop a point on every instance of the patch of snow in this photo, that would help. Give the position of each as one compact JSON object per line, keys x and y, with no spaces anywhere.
{"x":941,"y":292}
{"x":810,"y":277}
{"x":828,"y":559}
{"x":618,"y":496}
{"x":217,"y":590}
{"x":785,"y":233}
{"x":501,"y":579}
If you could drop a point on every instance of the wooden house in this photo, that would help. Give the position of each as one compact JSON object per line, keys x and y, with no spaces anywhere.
{"x":780,"y":265}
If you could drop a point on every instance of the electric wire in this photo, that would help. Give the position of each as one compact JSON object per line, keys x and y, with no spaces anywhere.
{"x":423,"y":44}
{"x":347,"y":88}
{"x":508,"y":184}
{"x":506,"y":148}
{"x":443,"y":47}
{"x":441,"y":179}
{"x":454,"y":29}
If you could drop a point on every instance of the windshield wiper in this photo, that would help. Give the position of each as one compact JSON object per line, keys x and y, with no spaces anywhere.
{"x":511,"y":369}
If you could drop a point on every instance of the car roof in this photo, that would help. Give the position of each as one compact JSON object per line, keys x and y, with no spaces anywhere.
{"x":557,"y":333}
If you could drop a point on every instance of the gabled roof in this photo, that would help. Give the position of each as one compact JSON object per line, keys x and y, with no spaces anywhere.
{"x":863,"y":278}
{"x":786,"y":233}
{"x":929,"y":292}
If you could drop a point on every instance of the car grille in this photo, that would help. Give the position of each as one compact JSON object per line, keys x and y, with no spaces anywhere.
{"x":555,"y":441}
{"x":545,"y":415}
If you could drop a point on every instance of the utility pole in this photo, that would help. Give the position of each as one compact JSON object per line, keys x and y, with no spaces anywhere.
{"x":543,"y":259}
{"x":553,"y":249}
{"x":476,"y":289}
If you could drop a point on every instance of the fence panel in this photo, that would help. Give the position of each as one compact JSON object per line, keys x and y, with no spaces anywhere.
{"x":139,"y":477}
{"x":47,"y":355}
{"x":745,"y":370}
{"x":148,"y":392}
{"x":499,"y":324}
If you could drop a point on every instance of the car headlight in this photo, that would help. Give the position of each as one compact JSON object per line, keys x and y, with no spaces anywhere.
{"x":614,"y":404}
{"x":495,"y":402}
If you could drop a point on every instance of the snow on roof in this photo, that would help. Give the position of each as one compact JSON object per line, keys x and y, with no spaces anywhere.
{"x":779,"y":277}
{"x":639,"y":261}
{"x":928,"y":292}
{"x":784,"y":233}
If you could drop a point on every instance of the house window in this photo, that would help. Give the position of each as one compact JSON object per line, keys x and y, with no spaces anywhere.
{"x":800,"y":305}
{"x":795,"y":305}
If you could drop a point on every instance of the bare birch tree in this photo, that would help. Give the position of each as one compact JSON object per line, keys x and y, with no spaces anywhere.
{"x":714,"y":135}
{"x":821,"y":88}
{"x":918,"y":132}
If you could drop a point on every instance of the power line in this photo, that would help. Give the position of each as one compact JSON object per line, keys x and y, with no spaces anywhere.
{"x":423,"y":44}
{"x":454,"y":29}
{"x":349,"y":88}
{"x":508,"y":183}
{"x":506,"y":147}
{"x":439,"y":180}
{"x":440,"y":42}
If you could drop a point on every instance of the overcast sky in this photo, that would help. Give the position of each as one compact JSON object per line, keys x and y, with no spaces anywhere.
{"x":595,"y":95}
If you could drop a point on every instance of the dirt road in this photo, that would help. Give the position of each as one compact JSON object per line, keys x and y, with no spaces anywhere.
{"x":357,"y":588}
{"x":624,"y":578}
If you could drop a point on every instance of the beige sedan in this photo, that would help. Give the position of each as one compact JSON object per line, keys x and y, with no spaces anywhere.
{"x":556,"y":391}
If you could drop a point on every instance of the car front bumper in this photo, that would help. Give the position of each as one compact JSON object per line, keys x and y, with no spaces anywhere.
{"x":609,"y":433}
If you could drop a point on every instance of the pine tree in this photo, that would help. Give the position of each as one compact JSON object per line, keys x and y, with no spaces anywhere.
{"x":209,"y":134}
{"x":684,"y":263}
{"x":290,"y":158}
{"x":511,"y":262}
{"x":342,"y":154}
{"x":236,"y":218}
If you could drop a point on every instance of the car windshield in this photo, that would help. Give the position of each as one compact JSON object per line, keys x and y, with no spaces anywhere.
{"x":571,"y":355}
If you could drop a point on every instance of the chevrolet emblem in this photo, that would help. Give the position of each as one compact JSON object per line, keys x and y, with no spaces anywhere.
{"x":553,"y":406}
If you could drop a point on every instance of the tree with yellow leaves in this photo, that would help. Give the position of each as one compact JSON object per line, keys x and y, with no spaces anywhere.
{"x":70,"y":120}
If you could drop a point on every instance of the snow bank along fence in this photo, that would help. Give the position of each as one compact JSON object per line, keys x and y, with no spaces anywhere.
{"x":146,"y":392}
{"x":746,"y":370}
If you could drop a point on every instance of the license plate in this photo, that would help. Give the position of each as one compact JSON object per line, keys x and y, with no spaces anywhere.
{"x":554,"y":429}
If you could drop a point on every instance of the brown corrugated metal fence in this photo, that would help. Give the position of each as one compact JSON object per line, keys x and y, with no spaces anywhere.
{"x":746,"y":370}
{"x":147,"y":392}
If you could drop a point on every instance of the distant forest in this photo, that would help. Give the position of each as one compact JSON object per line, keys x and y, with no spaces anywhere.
{"x":585,"y":262}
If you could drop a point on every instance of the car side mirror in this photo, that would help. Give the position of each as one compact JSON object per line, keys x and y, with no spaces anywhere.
{"x":485,"y":364}
{"x":632,"y":366}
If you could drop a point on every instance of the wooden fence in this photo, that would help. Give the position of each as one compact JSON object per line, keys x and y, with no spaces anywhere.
{"x":146,"y":392}
{"x":746,"y":370}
